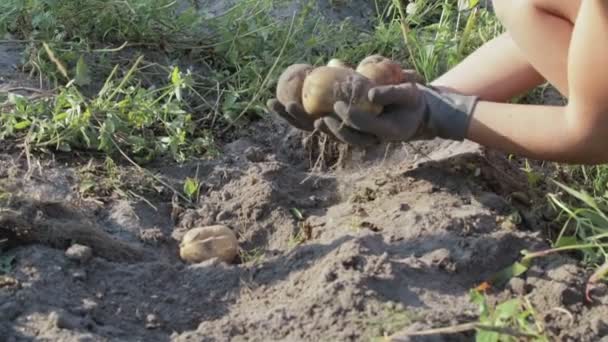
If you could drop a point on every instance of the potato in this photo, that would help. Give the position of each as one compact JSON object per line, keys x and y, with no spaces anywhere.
{"x":289,"y":85}
{"x":381,"y":70}
{"x":326,"y":85}
{"x":334,"y":62}
{"x":204,"y":243}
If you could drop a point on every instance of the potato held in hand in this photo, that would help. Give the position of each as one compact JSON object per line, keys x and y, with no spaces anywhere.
{"x":381,"y":70}
{"x":205,"y":243}
{"x":326,"y":85}
{"x":289,"y":85}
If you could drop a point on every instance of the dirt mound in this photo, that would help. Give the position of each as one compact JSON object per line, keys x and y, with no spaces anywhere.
{"x":391,"y":240}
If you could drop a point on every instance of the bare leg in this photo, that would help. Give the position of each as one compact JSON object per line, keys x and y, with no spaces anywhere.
{"x":572,"y":134}
{"x":534,"y":50}
{"x":542,"y":30}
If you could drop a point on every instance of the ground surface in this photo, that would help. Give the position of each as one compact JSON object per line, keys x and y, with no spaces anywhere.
{"x":395,"y":238}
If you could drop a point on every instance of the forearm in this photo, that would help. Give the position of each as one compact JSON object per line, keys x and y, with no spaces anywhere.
{"x":497,"y":72}
{"x":539,"y":132}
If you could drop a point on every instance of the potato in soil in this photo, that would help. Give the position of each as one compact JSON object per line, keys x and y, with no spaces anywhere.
{"x":204,"y":243}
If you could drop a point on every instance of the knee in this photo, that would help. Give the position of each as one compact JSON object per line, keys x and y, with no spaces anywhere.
{"x":510,"y":12}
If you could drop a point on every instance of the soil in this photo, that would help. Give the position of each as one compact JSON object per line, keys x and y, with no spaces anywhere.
{"x":394,"y":238}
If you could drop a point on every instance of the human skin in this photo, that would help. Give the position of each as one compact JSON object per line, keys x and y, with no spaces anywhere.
{"x":563,"y":42}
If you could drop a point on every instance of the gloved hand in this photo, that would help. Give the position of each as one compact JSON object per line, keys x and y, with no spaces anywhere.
{"x":332,"y":125}
{"x":411,"y":112}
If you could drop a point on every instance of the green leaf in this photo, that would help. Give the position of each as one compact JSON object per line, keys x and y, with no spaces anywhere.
{"x":176,"y":78}
{"x":298,"y":215}
{"x":508,"y":309}
{"x":502,"y":277}
{"x":86,"y":185}
{"x":22,"y":125}
{"x":486,"y":336}
{"x":191,"y":186}
{"x":566,"y":241}
{"x":82,"y":73}
{"x":6,"y":263}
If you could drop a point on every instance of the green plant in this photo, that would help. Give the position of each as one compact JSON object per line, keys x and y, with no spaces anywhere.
{"x":6,"y":263}
{"x":124,"y":116}
{"x":254,"y":256}
{"x":191,"y":188}
{"x":507,"y":321}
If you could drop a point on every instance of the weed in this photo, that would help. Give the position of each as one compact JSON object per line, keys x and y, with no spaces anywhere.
{"x":123,"y":116}
{"x":297,"y":239}
{"x":515,"y":317}
{"x":191,"y":188}
{"x":585,"y":222}
{"x":6,"y":263}
{"x":392,"y":319}
{"x":254,"y":256}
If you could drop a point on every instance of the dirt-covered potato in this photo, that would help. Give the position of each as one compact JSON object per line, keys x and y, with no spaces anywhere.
{"x":381,"y":70}
{"x":204,"y":243}
{"x":326,"y":85}
{"x":289,"y":85}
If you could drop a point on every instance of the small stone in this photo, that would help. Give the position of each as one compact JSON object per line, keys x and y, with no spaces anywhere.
{"x":521,"y":197}
{"x":493,"y":201}
{"x":254,"y":154}
{"x":404,"y":207}
{"x":87,"y":307}
{"x":330,"y":276}
{"x":9,"y":282}
{"x":152,"y":321}
{"x":571,"y":297}
{"x":517,"y":286}
{"x":63,"y":320}
{"x":79,"y":253}
{"x":226,"y":196}
{"x":79,"y":275}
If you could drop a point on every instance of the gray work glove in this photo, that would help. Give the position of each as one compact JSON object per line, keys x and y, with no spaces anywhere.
{"x":332,"y":125}
{"x":411,"y":112}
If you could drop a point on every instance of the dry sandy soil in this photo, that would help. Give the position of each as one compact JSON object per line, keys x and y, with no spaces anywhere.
{"x":393,"y":239}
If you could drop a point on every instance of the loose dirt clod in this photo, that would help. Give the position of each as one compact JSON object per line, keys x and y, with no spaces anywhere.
{"x":56,"y":225}
{"x":205,"y":243}
{"x":79,"y":253}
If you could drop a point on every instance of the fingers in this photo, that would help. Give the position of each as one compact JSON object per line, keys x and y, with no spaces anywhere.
{"x":293,"y":114}
{"x":404,"y":94}
{"x":344,"y":133}
{"x":363,"y":121}
{"x":332,"y":126}
{"x":411,"y":75}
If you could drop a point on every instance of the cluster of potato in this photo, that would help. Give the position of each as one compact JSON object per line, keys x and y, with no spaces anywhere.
{"x":318,"y":89}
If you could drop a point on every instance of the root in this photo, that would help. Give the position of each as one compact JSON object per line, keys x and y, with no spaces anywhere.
{"x":55,"y":225}
{"x":325,"y":153}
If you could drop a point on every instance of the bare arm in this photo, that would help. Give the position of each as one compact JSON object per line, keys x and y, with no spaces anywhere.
{"x":576,"y":133}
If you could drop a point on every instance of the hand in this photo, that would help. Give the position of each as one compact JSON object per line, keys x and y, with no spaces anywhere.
{"x":330,"y":125}
{"x":411,"y":112}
